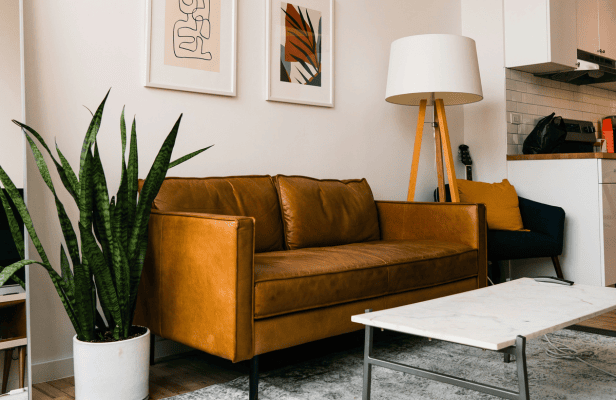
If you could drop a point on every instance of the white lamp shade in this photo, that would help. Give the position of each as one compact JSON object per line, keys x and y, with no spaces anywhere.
{"x":442,"y":65}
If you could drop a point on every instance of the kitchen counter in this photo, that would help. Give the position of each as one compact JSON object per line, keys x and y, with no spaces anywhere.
{"x":584,"y":185}
{"x":561,"y":156}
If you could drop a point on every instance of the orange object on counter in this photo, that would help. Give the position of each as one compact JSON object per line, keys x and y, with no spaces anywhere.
{"x":608,"y":133}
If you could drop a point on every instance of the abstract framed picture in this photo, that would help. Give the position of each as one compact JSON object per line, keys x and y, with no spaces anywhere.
{"x":300,"y":51}
{"x":191,"y":45}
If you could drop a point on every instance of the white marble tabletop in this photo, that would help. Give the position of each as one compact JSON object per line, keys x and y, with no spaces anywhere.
{"x":492,"y":317}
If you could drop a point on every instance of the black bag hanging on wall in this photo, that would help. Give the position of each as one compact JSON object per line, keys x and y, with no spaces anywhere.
{"x":549,"y":133}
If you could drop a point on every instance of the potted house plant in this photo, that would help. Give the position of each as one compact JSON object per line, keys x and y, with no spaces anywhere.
{"x":100,"y":273}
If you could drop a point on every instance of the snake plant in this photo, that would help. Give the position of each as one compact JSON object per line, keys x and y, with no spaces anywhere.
{"x":105,"y":264}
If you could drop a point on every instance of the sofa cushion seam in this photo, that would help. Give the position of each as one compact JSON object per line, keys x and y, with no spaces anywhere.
{"x":365,"y":268}
{"x":366,"y":298}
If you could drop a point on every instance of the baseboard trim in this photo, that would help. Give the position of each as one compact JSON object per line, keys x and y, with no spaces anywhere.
{"x":52,"y":370}
{"x":58,"y":369}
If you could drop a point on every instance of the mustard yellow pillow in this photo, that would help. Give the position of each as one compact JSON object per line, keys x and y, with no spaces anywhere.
{"x":501,"y":200}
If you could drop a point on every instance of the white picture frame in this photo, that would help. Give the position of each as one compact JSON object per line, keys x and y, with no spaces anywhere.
{"x":170,"y":62}
{"x":301,"y":89}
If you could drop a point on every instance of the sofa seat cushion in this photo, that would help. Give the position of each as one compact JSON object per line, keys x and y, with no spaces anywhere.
{"x":295,"y":280}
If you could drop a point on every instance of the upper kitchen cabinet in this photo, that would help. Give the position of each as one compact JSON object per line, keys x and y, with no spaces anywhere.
{"x":540,"y":35}
{"x":588,"y":26}
{"x":607,"y":28}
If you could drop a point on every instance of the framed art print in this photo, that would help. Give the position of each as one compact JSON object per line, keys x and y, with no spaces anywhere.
{"x":300,"y":51}
{"x":191,"y":45}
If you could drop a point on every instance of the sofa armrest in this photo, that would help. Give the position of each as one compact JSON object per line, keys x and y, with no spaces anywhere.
{"x":453,"y":222}
{"x":543,"y":218}
{"x":198,"y":282}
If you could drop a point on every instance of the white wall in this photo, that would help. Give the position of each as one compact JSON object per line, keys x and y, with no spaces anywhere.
{"x":75,"y":51}
{"x":11,"y":153}
{"x":484,"y":122}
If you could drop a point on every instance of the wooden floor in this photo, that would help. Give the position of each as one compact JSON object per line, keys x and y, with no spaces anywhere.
{"x":606,"y":321}
{"x":167,"y":379}
{"x":196,"y":370}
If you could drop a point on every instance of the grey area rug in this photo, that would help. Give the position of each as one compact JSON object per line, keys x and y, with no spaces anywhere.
{"x":339,"y":376}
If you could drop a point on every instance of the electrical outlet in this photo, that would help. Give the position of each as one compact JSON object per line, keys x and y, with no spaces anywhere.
{"x":516,"y":119}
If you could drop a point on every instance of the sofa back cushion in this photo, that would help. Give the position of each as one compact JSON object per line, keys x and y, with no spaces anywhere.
{"x":249,"y":196}
{"x":326,"y":212}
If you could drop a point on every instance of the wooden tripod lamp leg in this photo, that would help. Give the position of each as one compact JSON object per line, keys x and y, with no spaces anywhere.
{"x":438,"y":147}
{"x":417,"y":150}
{"x":451,"y":172}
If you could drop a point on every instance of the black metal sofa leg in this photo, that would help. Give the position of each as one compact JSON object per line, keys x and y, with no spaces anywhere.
{"x":152,"y":347}
{"x":253,"y":393}
{"x":556,"y":262}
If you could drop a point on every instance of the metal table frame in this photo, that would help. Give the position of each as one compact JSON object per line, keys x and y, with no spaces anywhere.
{"x":519,"y":351}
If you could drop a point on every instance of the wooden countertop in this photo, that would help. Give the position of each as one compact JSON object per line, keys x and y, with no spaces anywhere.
{"x":561,"y":156}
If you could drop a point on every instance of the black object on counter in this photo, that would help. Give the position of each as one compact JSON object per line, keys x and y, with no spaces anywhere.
{"x":549,"y":134}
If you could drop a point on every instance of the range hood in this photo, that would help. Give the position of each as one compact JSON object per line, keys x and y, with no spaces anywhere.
{"x":591,"y":69}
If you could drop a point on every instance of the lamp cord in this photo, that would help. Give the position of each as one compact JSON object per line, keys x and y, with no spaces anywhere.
{"x":562,"y":352}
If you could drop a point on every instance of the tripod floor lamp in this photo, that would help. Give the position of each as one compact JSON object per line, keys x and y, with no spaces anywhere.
{"x":434,"y":70}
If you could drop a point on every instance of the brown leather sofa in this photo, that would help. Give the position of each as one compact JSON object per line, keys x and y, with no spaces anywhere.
{"x":242,"y":266}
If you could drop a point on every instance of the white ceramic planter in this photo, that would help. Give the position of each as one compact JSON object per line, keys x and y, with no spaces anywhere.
{"x":112,"y":371}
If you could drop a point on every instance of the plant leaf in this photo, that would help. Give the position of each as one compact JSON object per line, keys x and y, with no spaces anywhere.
{"x":9,"y":270}
{"x":65,"y":223}
{"x":150,"y":189}
{"x":70,"y":181}
{"x":90,"y":137}
{"x":123,"y":135}
{"x":23,"y":212}
{"x":187,"y":157}
{"x":67,"y":176}
{"x":13,"y":226}
{"x":151,"y":186}
{"x":102,"y":275}
{"x":67,"y":273}
{"x":132,"y":178}
{"x":101,"y":202}
{"x":122,"y":269}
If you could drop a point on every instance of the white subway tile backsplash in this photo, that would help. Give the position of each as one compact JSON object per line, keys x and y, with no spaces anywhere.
{"x":530,"y":119}
{"x":534,"y":98}
{"x":525,"y":129}
{"x":544,"y":110}
{"x":603,"y":110}
{"x":527,"y":108}
{"x":586,"y":89}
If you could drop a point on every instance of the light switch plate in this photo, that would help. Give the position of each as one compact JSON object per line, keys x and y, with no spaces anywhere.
{"x":515,"y":119}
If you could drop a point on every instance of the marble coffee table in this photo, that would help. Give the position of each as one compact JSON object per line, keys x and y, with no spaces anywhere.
{"x":499,"y":318}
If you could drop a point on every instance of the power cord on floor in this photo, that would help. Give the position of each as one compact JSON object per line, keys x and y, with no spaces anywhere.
{"x":490,"y":280}
{"x":562,"y":352}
